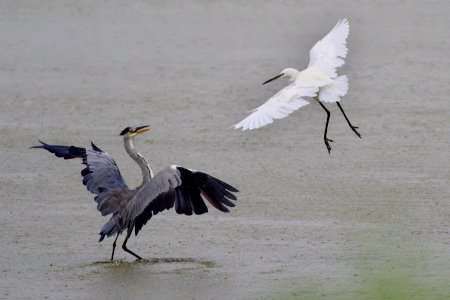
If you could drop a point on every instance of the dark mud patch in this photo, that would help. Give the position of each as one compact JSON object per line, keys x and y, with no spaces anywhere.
{"x":157,"y":265}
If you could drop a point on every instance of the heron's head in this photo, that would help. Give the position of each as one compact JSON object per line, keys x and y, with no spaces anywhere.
{"x":131,"y":132}
{"x":288,"y":73}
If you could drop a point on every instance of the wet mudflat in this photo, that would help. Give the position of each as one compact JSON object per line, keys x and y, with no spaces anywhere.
{"x":370,"y":221}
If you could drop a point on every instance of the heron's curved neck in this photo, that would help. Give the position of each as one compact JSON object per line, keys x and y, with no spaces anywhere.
{"x":139,"y":159}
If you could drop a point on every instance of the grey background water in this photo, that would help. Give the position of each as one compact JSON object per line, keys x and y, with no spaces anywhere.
{"x":371,"y":220}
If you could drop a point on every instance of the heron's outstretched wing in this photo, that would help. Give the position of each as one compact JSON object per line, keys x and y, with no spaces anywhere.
{"x":181,"y":187}
{"x":101,"y":175}
{"x":329,"y":53}
{"x":279,"y":106}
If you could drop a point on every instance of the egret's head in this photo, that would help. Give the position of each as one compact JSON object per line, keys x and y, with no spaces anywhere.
{"x":288,"y":73}
{"x":131,"y":132}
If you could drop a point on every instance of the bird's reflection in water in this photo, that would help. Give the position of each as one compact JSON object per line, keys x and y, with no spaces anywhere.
{"x":175,"y":262}
{"x":145,"y":278}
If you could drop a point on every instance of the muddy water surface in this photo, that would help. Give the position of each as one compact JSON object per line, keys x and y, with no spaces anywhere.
{"x":371,"y":220}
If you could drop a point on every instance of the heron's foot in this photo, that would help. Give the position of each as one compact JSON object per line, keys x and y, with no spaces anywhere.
{"x":135,"y":255}
{"x":326,"y":140}
{"x":131,"y":252}
{"x":355,"y":131}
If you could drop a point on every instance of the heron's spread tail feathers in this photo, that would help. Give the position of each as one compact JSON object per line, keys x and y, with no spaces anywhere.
{"x":333,"y":92}
{"x":109,"y":228}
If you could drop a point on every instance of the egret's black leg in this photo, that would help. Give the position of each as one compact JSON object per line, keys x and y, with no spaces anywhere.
{"x":124,"y":245}
{"x":114,"y":246}
{"x":326,"y":140}
{"x":348,"y":121}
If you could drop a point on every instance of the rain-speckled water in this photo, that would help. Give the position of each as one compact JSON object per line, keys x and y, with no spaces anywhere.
{"x":369,"y":221}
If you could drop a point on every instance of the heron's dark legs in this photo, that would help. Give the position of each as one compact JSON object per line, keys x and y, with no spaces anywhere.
{"x":114,"y":246}
{"x":348,"y":121}
{"x":124,"y":245}
{"x":326,"y":140}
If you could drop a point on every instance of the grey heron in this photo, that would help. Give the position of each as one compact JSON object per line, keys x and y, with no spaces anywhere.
{"x":319,"y":81}
{"x":176,"y":186}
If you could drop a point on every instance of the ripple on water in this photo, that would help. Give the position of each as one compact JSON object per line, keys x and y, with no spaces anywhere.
{"x":156,"y":265}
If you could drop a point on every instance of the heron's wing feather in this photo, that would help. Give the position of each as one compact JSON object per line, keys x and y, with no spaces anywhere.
{"x":101,"y":172}
{"x":179,"y":187}
{"x":279,"y":106}
{"x":163,"y":182}
{"x":101,"y":176}
{"x":329,"y":53}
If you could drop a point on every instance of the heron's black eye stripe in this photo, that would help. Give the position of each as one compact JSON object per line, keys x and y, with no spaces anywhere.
{"x":125,"y":131}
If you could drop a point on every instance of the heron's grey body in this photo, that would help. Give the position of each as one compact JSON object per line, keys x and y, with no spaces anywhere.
{"x":132,"y":208}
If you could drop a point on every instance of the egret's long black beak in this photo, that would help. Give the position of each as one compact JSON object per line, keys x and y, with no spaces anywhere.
{"x":271,"y":79}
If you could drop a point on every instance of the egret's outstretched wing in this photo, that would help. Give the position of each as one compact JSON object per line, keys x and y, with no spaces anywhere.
{"x":329,"y":53}
{"x":279,"y":106}
{"x":101,"y":175}
{"x":181,"y":187}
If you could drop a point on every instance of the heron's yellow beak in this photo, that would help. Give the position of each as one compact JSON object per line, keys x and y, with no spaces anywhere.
{"x":140,"y":130}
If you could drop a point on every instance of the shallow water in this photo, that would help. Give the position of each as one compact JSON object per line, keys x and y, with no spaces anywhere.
{"x":371,"y":220}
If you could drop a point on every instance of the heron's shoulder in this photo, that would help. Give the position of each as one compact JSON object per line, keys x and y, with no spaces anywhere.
{"x":166,"y":173}
{"x":178,"y":167}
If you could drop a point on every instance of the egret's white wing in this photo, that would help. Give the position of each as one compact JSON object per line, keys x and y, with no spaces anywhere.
{"x":329,"y":53}
{"x":279,"y":106}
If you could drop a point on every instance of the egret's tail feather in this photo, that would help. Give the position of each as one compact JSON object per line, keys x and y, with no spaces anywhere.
{"x":333,"y":92}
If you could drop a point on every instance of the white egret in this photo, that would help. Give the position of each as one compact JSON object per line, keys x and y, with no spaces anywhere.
{"x":319,"y":80}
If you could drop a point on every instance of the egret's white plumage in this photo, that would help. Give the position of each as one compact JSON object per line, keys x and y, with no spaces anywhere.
{"x":279,"y":106}
{"x":328,"y":54}
{"x":319,"y":80}
{"x":320,"y":76}
{"x":333,"y":92}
